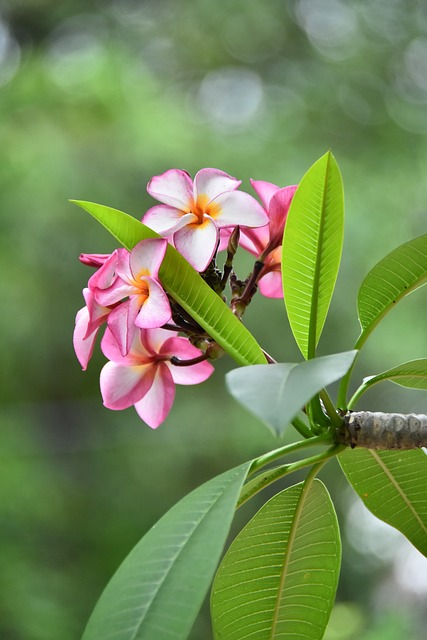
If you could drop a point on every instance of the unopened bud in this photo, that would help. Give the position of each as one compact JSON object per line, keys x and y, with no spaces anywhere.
{"x":233,"y":242}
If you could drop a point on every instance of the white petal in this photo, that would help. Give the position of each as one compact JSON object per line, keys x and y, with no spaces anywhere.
{"x":197,"y":243}
{"x":166,"y":220}
{"x":212,"y":182}
{"x":237,"y":207}
{"x":174,"y":187}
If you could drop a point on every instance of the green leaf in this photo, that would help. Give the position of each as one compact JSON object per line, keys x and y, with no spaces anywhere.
{"x":159,"y":589}
{"x":276,"y":392}
{"x":392,"y":485}
{"x":311,"y":251}
{"x":395,"y":276}
{"x":279,"y":577}
{"x":186,"y":286}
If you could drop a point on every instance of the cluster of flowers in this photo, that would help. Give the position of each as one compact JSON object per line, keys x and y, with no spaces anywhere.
{"x":146,"y":355}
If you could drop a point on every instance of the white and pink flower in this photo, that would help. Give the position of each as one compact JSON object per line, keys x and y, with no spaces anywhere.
{"x":145,"y":377}
{"x":192,"y":213}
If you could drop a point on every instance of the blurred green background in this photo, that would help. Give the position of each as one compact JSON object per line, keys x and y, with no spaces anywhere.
{"x":95,"y":98}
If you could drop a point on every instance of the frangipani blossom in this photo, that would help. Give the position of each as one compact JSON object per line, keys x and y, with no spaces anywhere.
{"x":265,"y":243}
{"x":193,"y":212}
{"x":147,"y":305}
{"x":145,"y":377}
{"x":90,"y":318}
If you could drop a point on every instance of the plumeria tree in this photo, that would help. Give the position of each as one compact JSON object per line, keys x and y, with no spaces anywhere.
{"x":170,"y":302}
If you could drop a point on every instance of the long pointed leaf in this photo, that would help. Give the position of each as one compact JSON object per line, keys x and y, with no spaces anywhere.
{"x":279,"y":577}
{"x":275,"y":393}
{"x":159,"y":589}
{"x":185,"y":285}
{"x":311,"y":251}
{"x":394,"y":277}
{"x":392,"y":484}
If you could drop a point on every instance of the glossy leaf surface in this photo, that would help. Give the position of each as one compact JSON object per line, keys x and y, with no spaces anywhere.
{"x":392,"y":485}
{"x":311,"y":251}
{"x":159,"y":588}
{"x":279,"y":577}
{"x":276,"y":392}
{"x":395,"y":276}
{"x":186,"y":286}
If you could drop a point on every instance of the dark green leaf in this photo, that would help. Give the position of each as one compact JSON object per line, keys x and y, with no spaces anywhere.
{"x":159,"y":589}
{"x":395,"y":276}
{"x":279,"y":577}
{"x":186,"y":286}
{"x":276,"y":392}
{"x":311,"y":251}
{"x":392,"y":484}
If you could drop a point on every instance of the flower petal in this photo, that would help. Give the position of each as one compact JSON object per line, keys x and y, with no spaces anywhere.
{"x":254,"y":240}
{"x":212,"y":182}
{"x":197,"y":243}
{"x":270,"y":285}
{"x":123,"y":386}
{"x":154,"y":407}
{"x":237,"y":207}
{"x":265,"y":191}
{"x":94,"y":259}
{"x":83,"y":343}
{"x":97,"y":313}
{"x":121,"y":323}
{"x":138,"y":352}
{"x":183,"y":349}
{"x":147,"y":256}
{"x":155,"y":311}
{"x":166,"y":220}
{"x":278,"y":211}
{"x":174,"y":187}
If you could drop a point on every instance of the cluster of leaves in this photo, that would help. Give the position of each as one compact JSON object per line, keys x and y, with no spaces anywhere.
{"x":279,"y":576}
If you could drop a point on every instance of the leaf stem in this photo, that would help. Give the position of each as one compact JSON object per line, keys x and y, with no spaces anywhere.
{"x":301,"y":427}
{"x":268,"y":477}
{"x":330,"y":409}
{"x":265,"y":459}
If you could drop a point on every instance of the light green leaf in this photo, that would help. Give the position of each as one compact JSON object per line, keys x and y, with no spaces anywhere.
{"x":186,"y":286}
{"x":276,"y":392}
{"x":392,"y":485}
{"x":311,"y":251}
{"x":395,"y":276}
{"x":279,"y":576}
{"x":158,"y":590}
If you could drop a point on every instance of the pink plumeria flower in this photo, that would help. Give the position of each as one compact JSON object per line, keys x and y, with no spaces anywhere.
{"x":90,"y":318}
{"x":265,"y":243}
{"x":137,"y":279}
{"x":193,"y":212}
{"x":145,"y":377}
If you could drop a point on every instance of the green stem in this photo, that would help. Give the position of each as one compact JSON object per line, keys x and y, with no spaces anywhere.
{"x":342,"y":391}
{"x":268,"y":477}
{"x":265,"y":459}
{"x":330,"y":409}
{"x":357,"y":394}
{"x":301,"y":427}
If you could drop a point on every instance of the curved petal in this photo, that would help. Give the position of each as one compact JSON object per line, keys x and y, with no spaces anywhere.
{"x":278,"y":211}
{"x":265,"y":191}
{"x":166,"y":220}
{"x":97,"y":312}
{"x":197,"y":243}
{"x":122,"y":386}
{"x":94,"y":259}
{"x":254,"y":240}
{"x":270,"y":285}
{"x":104,"y":276}
{"x":183,"y":349}
{"x":237,"y":207}
{"x":147,"y":256}
{"x":138,"y":352}
{"x":83,"y":343}
{"x":210,"y":183}
{"x":118,"y":290}
{"x":156,"y":309}
{"x":121,"y":323}
{"x":153,"y":339}
{"x":174,"y":187}
{"x":154,"y":407}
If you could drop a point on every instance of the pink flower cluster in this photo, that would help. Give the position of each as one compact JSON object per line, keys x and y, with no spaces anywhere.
{"x":146,"y":355}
